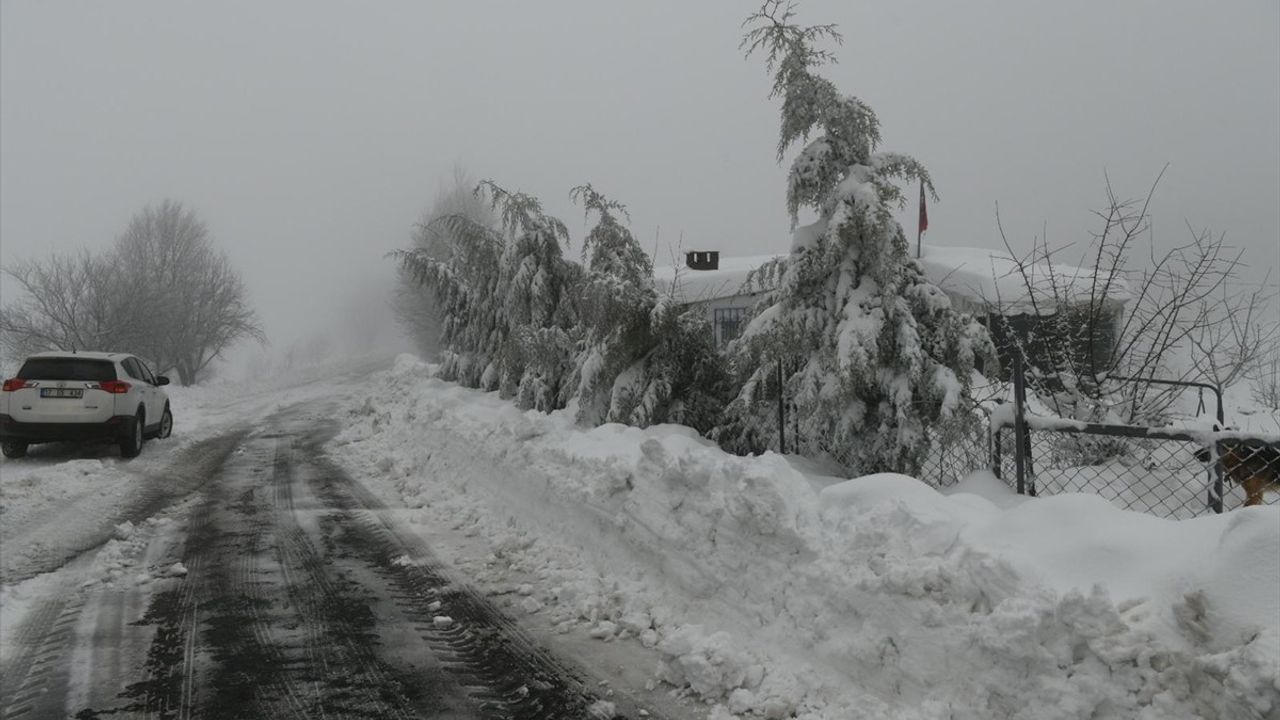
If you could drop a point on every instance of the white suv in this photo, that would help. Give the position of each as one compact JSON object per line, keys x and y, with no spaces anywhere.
{"x":83,"y":396}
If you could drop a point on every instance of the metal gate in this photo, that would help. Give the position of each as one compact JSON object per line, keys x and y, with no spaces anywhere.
{"x":1168,"y":471}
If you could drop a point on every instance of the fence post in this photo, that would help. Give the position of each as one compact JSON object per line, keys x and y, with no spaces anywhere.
{"x":1216,"y":489}
{"x":1028,"y":458}
{"x":1019,"y":425}
{"x":1215,"y":495}
{"x":993,"y":451}
{"x":782,"y":414}
{"x":795,"y":428}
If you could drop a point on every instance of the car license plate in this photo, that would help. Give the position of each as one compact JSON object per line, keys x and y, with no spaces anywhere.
{"x":61,"y":392}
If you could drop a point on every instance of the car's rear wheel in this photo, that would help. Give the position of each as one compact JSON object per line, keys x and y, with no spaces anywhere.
{"x":166,"y":424}
{"x":13,"y":448}
{"x":131,"y":442}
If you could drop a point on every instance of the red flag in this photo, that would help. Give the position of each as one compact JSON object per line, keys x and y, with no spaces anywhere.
{"x":924,"y":213}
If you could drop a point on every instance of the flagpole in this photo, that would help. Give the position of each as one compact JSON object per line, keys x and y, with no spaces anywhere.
{"x":919,"y":223}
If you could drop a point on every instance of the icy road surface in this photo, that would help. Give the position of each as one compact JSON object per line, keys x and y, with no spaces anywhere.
{"x":251,"y":577}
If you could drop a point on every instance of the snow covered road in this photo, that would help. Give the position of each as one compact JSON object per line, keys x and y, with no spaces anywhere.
{"x":260,"y":581}
{"x":379,"y":543}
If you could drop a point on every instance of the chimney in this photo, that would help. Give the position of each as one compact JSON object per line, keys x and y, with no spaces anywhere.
{"x":702,"y":259}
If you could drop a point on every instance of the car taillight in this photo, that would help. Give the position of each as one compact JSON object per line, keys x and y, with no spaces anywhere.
{"x":115,"y":387}
{"x":16,"y":384}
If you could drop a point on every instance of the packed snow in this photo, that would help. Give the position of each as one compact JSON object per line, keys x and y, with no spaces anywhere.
{"x":766,"y":590}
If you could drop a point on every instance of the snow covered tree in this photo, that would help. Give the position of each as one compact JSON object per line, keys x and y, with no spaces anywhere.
{"x":520,"y":318}
{"x":644,"y":360}
{"x":875,"y":354}
{"x":540,"y":302}
{"x":465,"y":282}
{"x":416,"y":307}
{"x":507,"y":299}
{"x":617,"y":296}
{"x":680,"y":379}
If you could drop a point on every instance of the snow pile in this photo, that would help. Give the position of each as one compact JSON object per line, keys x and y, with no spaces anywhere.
{"x":770,"y":592}
{"x":116,"y":563}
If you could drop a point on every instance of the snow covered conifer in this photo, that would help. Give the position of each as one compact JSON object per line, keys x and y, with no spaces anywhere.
{"x":506,"y":299}
{"x":645,"y":360}
{"x":417,"y":307}
{"x":616,"y":299}
{"x":465,"y":282}
{"x":539,"y":302}
{"x":681,"y":379}
{"x":876,"y":354}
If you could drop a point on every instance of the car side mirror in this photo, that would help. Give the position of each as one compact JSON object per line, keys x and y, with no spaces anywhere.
{"x":161,"y":380}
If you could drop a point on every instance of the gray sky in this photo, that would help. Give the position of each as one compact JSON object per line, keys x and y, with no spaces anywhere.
{"x":310,"y":135}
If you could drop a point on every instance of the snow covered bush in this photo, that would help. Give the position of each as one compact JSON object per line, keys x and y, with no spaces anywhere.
{"x":874,"y":353}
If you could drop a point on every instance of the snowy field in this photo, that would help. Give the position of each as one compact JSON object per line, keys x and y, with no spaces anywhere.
{"x":765,"y":591}
{"x":758,"y":587}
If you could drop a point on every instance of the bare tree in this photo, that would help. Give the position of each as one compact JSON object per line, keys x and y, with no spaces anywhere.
{"x":1266,"y":379}
{"x":1238,"y":334}
{"x":1179,"y":317}
{"x":162,"y":292}
{"x":69,"y":301}
{"x":196,"y":301}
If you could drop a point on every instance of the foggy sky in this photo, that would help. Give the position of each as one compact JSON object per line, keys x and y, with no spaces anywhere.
{"x":311,"y":135}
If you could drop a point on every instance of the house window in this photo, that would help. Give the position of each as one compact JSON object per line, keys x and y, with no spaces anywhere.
{"x":728,"y":323}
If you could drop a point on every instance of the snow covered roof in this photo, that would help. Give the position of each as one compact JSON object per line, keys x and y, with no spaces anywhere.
{"x":702,"y":285}
{"x":992,"y":278}
{"x":978,"y":277}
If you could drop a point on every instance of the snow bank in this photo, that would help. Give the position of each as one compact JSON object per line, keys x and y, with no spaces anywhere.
{"x":769,"y":592}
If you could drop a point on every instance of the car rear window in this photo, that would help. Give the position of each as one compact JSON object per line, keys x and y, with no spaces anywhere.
{"x":67,"y":369}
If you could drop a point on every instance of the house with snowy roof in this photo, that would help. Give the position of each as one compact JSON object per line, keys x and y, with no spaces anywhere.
{"x":1012,"y":298}
{"x":719,"y":285}
{"x":1033,"y":304}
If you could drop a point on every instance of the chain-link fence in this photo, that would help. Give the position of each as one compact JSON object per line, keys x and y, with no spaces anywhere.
{"x":1166,"y":472}
{"x":956,"y":450}
{"x":1169,"y":474}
